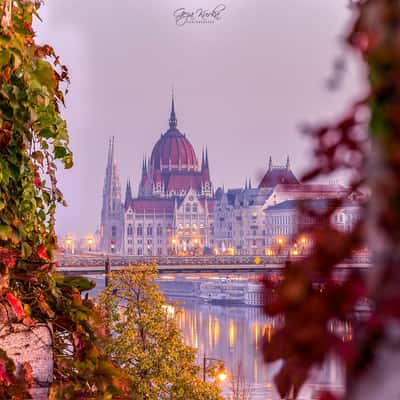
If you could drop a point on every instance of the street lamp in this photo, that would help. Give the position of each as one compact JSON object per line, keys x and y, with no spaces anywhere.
{"x":280,"y":243}
{"x":90,"y":242}
{"x":269,"y":252}
{"x":221,"y":375}
{"x":303,"y":241}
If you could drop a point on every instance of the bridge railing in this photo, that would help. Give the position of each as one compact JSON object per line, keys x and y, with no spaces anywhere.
{"x":99,"y":260}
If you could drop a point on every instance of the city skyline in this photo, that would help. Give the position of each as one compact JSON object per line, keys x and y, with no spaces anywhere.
{"x":232,"y":83}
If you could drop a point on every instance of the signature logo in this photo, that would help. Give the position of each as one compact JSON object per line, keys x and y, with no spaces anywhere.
{"x":200,"y":16}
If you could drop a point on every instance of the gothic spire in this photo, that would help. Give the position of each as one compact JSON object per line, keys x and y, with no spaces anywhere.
{"x":287,"y":163}
{"x":112,"y":204}
{"x":249,"y":183}
{"x":172,"y":118}
{"x":202,"y":159}
{"x":206,"y":160}
{"x":270,"y":163}
{"x":143,"y":168}
{"x":245,"y":185}
{"x":128,"y":193}
{"x":112,"y":151}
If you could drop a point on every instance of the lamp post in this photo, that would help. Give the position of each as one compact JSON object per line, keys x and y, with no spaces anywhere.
{"x":222,"y":375}
{"x":173,"y":241}
{"x":90,"y":242}
{"x":280,"y":243}
{"x":303,"y":241}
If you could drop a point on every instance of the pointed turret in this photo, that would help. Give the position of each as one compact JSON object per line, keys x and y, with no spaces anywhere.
{"x":143,"y":168}
{"x":128,"y":193}
{"x":112,"y":212}
{"x":249,"y":183}
{"x":202,"y":159}
{"x":287,"y":163}
{"x":245,"y":185}
{"x":173,"y":122}
{"x":270,"y":163}
{"x":206,"y":160}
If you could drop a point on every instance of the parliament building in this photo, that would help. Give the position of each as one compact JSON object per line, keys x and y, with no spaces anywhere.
{"x":176,"y":211}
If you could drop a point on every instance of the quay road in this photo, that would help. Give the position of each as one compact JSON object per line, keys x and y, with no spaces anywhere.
{"x":95,"y":263}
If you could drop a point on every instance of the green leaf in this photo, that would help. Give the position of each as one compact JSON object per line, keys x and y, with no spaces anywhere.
{"x":4,"y":57}
{"x":47,"y":133}
{"x":82,"y":284}
{"x":5,"y":232}
{"x":45,"y":75}
{"x":26,"y":250}
{"x":59,"y":152}
{"x":68,"y":161}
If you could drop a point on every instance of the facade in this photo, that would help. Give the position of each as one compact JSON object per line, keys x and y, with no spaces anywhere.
{"x":284,"y":222}
{"x":240,"y":219}
{"x":262,"y":221}
{"x":173,"y":211}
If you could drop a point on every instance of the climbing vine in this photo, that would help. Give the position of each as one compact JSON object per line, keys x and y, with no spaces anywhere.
{"x":33,"y":142}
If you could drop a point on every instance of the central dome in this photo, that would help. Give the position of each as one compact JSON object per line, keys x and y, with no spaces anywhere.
{"x":173,"y":151}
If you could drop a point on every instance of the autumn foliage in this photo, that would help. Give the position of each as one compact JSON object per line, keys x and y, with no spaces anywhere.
{"x":366,"y":142}
{"x":33,"y":142}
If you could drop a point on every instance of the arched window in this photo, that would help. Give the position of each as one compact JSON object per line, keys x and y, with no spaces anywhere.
{"x":159,"y":230}
{"x":140,"y":230}
{"x":130,"y":230}
{"x":149,"y":230}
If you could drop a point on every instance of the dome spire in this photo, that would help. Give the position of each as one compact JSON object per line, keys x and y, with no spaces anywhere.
{"x":172,"y":118}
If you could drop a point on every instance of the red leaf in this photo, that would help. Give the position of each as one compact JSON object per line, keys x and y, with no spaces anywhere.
{"x":36,"y":181}
{"x":28,"y":374}
{"x":16,"y":305}
{"x":4,"y":375}
{"x":42,"y":253}
{"x":8,"y":258}
{"x":325,"y":395}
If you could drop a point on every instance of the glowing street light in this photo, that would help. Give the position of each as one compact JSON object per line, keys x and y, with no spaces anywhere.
{"x":90,"y":242}
{"x":280,"y":242}
{"x":269,"y":252}
{"x":221,"y":374}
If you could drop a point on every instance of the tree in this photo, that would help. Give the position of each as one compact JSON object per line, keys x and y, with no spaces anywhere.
{"x":145,"y":341}
{"x":239,"y":387}
{"x":366,"y":141}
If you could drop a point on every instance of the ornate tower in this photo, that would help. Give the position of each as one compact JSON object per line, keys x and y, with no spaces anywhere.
{"x":111,"y":227}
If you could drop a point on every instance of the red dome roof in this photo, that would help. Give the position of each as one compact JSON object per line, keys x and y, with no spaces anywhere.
{"x":173,"y":149}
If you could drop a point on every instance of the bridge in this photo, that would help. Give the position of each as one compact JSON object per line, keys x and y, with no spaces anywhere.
{"x":95,"y":264}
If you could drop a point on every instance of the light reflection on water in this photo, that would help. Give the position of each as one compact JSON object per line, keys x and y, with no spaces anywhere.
{"x":235,"y":335}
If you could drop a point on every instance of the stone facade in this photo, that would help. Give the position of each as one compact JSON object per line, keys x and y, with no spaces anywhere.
{"x":173,"y":213}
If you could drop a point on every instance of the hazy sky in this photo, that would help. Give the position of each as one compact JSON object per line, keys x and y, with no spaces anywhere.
{"x":243,"y":85}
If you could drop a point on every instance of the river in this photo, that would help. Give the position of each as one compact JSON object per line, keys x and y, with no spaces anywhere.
{"x":235,"y":335}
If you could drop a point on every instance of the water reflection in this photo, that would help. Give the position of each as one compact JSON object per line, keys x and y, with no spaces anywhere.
{"x":235,"y":334}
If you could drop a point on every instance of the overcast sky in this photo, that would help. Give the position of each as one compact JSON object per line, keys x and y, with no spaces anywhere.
{"x":243,"y":85}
